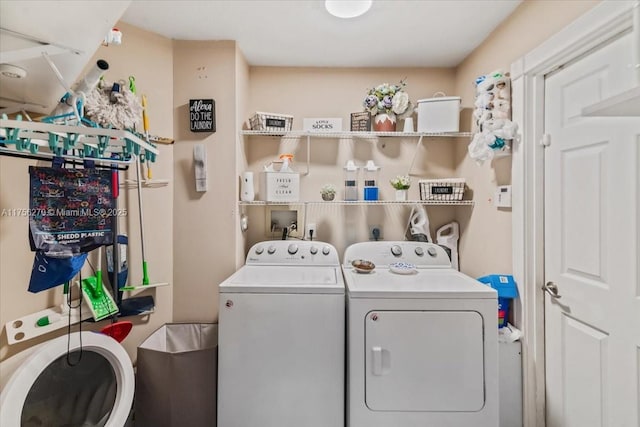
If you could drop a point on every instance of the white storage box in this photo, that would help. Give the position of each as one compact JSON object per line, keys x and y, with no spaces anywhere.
{"x":280,"y":186}
{"x":440,"y":114}
{"x":444,"y":190}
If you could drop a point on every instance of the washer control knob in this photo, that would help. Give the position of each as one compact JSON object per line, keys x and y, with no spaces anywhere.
{"x":292,"y":249}
{"x":313,"y":250}
{"x":271,"y":250}
{"x":432,"y":252}
{"x":419,"y":251}
{"x":326,"y":250}
{"x":259,"y":250}
{"x":396,"y":250}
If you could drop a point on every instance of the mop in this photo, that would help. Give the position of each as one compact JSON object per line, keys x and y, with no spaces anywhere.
{"x":98,"y":298}
{"x":145,"y":270}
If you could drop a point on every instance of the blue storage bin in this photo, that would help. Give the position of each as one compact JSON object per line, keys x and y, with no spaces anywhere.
{"x":507,"y":290}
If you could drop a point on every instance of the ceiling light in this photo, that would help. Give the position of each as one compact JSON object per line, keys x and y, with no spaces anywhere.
{"x":347,"y":8}
{"x":11,"y":71}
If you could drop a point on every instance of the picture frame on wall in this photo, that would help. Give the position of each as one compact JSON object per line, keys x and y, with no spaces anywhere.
{"x":202,"y":115}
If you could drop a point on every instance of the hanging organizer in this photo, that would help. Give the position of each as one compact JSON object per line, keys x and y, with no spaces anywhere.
{"x":91,"y":143}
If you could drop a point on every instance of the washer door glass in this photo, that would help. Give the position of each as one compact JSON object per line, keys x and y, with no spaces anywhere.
{"x":66,"y":396}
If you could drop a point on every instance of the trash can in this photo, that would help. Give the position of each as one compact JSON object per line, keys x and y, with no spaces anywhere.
{"x":176,"y":377}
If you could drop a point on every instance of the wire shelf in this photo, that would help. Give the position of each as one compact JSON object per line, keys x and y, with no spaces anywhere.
{"x":348,"y":134}
{"x":361,"y":203}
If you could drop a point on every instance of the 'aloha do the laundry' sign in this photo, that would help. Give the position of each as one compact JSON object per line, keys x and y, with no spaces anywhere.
{"x":202,"y":115}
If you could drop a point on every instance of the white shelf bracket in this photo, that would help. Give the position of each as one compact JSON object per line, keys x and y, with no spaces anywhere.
{"x":415,"y":155}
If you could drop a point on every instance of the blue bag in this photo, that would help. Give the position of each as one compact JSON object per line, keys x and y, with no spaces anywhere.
{"x":49,"y":272}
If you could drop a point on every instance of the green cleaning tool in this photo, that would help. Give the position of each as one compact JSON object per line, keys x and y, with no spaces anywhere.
{"x":99,"y":300}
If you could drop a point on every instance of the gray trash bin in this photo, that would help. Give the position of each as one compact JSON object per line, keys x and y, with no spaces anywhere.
{"x":176,"y":377}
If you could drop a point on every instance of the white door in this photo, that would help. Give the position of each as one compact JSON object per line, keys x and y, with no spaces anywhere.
{"x":591,"y":246}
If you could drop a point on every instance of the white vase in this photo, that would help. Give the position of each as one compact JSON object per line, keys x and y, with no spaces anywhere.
{"x":401,"y":195}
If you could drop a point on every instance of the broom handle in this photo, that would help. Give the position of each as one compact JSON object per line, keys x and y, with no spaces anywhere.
{"x":144,"y":259}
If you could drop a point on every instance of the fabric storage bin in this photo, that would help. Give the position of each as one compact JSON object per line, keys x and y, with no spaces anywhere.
{"x":271,"y":122}
{"x":448,"y":189}
{"x":176,"y":378}
{"x":439,"y":114}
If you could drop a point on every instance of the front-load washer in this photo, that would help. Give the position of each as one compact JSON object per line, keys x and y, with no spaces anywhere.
{"x":95,"y":389}
{"x":422,"y":340}
{"x":282,"y":338}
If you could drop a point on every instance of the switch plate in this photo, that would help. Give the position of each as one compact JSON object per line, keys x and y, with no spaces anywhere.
{"x":375,"y":232}
{"x":502,"y":198}
{"x":307,"y":234}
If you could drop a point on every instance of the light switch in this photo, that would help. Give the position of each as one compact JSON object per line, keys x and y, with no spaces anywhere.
{"x":502,"y":197}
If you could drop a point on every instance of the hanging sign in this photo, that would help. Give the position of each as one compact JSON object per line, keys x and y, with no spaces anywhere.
{"x":202,"y":115}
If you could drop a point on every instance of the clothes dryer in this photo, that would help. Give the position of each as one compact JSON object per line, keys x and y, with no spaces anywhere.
{"x":282,"y":338}
{"x":422,"y":340}
{"x":85,"y":378}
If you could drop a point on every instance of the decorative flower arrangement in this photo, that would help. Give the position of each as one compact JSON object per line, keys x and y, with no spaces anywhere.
{"x":388,"y":99}
{"x":328,"y":192}
{"x":401,"y":182}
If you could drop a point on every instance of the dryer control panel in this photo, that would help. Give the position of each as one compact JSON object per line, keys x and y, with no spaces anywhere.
{"x":382,"y":254}
{"x":292,"y":252}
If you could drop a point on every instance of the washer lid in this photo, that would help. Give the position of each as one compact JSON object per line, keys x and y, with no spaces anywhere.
{"x":426,"y":283}
{"x":285,"y":279}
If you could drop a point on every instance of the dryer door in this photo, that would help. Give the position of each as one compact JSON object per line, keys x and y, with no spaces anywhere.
{"x":94,"y":386}
{"x":424,"y":361}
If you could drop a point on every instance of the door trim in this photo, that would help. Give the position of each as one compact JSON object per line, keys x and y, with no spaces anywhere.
{"x":603,"y":22}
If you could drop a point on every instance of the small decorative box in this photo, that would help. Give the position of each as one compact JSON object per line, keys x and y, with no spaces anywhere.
{"x":322,"y":125}
{"x":280,"y":186}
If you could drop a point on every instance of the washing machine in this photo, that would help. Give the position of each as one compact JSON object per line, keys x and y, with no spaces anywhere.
{"x":422,"y":339}
{"x":281,"y":351}
{"x":81,"y":379}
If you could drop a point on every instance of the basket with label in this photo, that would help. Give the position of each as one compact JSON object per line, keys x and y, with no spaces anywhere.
{"x":444,"y":190}
{"x":271,"y":122}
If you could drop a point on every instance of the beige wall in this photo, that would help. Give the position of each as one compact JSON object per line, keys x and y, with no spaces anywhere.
{"x":205,"y":224}
{"x":337,"y":92}
{"x":148,"y":57}
{"x":485,"y":246}
{"x":242,"y":111}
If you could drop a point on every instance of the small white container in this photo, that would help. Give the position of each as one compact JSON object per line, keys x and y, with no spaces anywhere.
{"x":439,"y":114}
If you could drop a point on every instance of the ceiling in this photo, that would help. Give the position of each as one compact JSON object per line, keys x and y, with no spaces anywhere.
{"x":394,"y":33}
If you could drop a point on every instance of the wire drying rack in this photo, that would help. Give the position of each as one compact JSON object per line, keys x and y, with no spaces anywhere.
{"x":42,"y":141}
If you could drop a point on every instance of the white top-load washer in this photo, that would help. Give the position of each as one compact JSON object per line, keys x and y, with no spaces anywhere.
{"x":282,"y":338}
{"x":422,"y":340}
